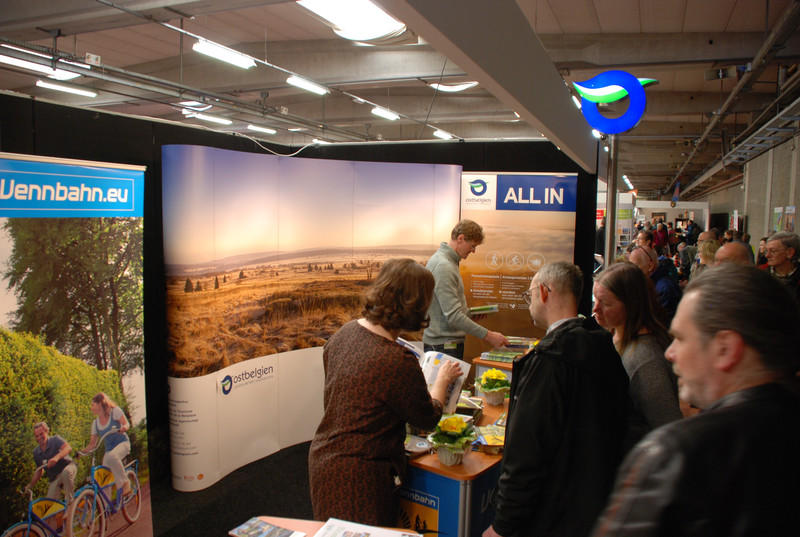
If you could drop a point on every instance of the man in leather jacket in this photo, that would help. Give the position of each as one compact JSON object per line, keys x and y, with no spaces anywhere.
{"x":567,"y":418}
{"x":732,"y":470}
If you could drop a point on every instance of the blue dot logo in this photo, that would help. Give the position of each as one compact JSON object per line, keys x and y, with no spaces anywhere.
{"x":227,"y":384}
{"x":610,"y":87}
{"x":477,"y":187}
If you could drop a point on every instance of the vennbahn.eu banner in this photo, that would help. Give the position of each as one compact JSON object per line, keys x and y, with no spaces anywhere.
{"x":47,"y":189}
{"x":71,"y":327}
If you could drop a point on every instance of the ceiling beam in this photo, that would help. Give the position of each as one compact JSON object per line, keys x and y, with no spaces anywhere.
{"x":516,"y":69}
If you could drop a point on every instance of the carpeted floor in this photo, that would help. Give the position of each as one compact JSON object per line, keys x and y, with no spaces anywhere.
{"x":276,"y":485}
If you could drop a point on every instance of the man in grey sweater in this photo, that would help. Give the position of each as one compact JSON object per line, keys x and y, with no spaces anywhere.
{"x":449,"y":314}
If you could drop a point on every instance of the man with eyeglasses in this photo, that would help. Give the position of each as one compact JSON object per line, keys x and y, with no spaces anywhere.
{"x":733,"y":469}
{"x":567,"y":418}
{"x":782,"y":252}
{"x":449,"y":313}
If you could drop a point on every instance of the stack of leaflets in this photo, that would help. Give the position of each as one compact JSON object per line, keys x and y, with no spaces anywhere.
{"x":502,"y":354}
{"x":340,"y":528}
{"x":255,"y":527}
{"x":519,"y":342}
{"x":484,"y":310}
{"x":491,"y":439}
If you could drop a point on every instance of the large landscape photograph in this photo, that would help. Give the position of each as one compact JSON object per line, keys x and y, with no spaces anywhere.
{"x":269,"y":254}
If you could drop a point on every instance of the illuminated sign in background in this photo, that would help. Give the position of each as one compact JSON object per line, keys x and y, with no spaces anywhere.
{"x":610,"y":87}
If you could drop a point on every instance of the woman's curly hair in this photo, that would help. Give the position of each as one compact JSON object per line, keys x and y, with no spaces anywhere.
{"x":399,"y":297}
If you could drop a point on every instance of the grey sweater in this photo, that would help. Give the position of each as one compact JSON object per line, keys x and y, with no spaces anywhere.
{"x":448,"y":311}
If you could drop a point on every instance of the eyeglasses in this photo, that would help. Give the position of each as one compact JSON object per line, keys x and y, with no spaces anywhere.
{"x":773,"y":251}
{"x":527,"y":294}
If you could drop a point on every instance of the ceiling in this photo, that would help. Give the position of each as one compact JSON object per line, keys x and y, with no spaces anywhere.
{"x":728,"y":83}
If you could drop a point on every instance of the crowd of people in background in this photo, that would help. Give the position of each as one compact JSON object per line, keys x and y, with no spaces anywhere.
{"x":601,"y":436}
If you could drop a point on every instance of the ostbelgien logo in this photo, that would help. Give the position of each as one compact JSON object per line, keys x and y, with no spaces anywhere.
{"x":227,"y":384}
{"x":610,"y":87}
{"x":477,"y":187}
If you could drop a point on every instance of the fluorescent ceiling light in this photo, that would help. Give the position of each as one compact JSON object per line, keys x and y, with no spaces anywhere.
{"x":296,"y":129}
{"x":384,"y":113}
{"x":442,"y":134}
{"x":224,"y":54}
{"x":357,"y":20}
{"x":213,"y":119}
{"x":66,"y":89}
{"x":306,"y":85}
{"x":56,"y":74}
{"x":197,"y":106}
{"x":577,"y":101}
{"x":453,"y":88}
{"x":261,"y":129}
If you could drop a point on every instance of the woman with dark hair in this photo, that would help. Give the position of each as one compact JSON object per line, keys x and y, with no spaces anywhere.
{"x":373,"y":387}
{"x":624,"y":304}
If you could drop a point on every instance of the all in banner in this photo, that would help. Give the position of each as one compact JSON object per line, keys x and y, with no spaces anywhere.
{"x":72,"y":346}
{"x":528,"y":220}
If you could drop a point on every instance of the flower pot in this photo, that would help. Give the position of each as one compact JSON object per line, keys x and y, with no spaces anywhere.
{"x":449,"y":457}
{"x":495,"y":398}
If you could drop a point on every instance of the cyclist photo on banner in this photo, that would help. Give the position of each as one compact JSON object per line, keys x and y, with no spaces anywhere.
{"x":111,"y":419}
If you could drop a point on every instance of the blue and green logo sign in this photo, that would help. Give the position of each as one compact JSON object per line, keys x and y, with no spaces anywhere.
{"x":477,"y":187}
{"x":610,"y":87}
{"x":227,"y":384}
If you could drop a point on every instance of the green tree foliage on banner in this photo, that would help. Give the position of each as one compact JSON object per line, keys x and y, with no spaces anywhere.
{"x":38,"y":383}
{"x":78,"y":283}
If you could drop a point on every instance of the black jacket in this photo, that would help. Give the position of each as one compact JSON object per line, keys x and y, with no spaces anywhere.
{"x":731,"y":471}
{"x":567,"y":419}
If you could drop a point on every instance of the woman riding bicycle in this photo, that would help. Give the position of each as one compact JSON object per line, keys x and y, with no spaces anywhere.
{"x":118,"y":445}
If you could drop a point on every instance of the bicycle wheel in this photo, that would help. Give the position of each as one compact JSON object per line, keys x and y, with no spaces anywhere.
{"x":20,"y":529}
{"x":85,"y":516}
{"x":132,"y":504}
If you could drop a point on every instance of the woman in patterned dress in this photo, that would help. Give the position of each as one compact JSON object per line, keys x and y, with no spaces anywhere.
{"x":373,"y":387}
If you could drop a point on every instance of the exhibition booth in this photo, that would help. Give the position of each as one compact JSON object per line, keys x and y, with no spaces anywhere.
{"x":252,"y":259}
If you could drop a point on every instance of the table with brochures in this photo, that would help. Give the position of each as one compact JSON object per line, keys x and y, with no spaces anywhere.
{"x":451,"y":501}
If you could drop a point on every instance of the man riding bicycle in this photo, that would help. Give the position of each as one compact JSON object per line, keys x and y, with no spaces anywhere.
{"x":59,"y":467}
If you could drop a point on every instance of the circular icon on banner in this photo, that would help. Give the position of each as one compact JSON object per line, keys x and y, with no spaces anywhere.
{"x":515,"y":261}
{"x":477,"y":187}
{"x":227,"y":384}
{"x":535,"y":261}
{"x":494,"y":260}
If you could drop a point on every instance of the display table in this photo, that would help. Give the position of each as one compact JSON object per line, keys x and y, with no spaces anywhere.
{"x":451,"y":501}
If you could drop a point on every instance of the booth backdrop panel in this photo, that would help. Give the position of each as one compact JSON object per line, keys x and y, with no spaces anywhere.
{"x":266,"y":255}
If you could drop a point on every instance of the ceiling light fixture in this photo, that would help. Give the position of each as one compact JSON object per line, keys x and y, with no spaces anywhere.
{"x":197,"y":106}
{"x":261,"y":129}
{"x":453,"y":88}
{"x":320,"y":142}
{"x":356,"y":20}
{"x":384,"y":113}
{"x":307,"y":85}
{"x":212,"y":119}
{"x":577,"y":101}
{"x":442,"y":134}
{"x":66,"y":89}
{"x":224,"y":54}
{"x":56,"y":74}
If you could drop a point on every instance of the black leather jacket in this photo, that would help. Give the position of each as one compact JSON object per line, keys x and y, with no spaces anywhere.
{"x":567,"y":419}
{"x":732,"y":471}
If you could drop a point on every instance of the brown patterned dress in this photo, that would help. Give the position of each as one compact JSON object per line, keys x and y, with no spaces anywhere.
{"x":373,"y":387}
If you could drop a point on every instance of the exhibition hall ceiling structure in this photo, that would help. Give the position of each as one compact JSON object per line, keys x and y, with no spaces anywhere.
{"x":727,"y":79}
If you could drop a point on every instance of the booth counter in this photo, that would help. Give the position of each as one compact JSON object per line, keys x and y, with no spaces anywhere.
{"x":451,"y":501}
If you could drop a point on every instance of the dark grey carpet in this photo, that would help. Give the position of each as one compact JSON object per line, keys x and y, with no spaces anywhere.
{"x":276,"y":486}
